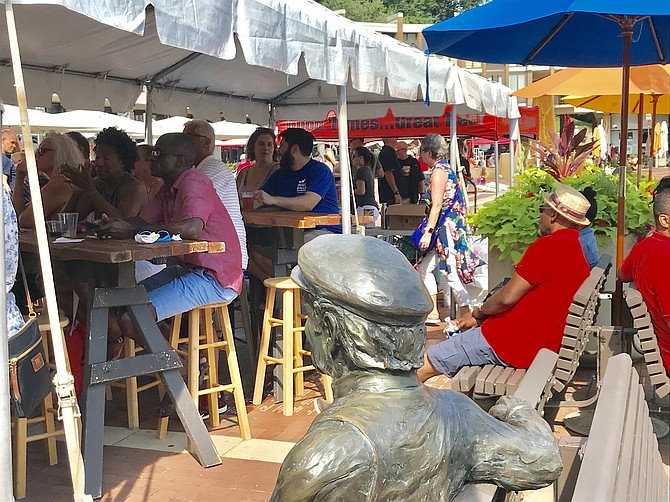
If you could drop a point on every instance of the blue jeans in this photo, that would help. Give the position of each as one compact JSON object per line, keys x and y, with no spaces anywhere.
{"x":176,"y":289}
{"x":466,"y":349}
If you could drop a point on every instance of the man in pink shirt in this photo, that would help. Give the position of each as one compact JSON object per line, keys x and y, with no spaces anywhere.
{"x":188,"y":205}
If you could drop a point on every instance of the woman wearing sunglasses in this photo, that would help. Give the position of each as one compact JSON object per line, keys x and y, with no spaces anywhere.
{"x":55,"y":153}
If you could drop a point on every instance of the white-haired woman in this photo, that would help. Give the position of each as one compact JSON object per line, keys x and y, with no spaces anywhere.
{"x":446,"y":218}
{"x":54,"y":153}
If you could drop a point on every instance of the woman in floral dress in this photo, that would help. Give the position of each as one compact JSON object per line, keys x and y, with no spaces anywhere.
{"x":14,"y":317}
{"x":451,"y":254}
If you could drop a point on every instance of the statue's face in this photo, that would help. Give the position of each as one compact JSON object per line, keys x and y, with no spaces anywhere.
{"x":319,"y":333}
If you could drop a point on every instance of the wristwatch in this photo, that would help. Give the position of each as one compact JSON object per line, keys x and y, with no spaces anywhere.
{"x":429,"y":230}
{"x":396,"y":193}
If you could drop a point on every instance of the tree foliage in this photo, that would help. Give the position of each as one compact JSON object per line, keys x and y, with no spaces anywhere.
{"x":415,"y":11}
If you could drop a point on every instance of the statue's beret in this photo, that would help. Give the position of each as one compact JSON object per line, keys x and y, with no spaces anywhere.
{"x":366,"y":276}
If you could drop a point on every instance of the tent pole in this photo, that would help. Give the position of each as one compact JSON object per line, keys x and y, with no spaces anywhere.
{"x":453,"y":139}
{"x":148,"y":118}
{"x":640,"y":129}
{"x":514,"y":140}
{"x":345,"y":175}
{"x":652,"y":157}
{"x":626,"y":24}
{"x":64,"y":382}
{"x":496,"y":160}
{"x":6,"y":484}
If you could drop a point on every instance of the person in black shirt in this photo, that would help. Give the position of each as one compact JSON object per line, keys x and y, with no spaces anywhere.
{"x":388,"y":188}
{"x":411,"y":181}
{"x":364,"y":188}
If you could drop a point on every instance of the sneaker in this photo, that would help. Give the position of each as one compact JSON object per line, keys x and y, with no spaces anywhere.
{"x":203,"y":406}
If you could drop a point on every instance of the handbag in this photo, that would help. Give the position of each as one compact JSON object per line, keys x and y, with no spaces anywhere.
{"x":29,"y":376}
{"x":419,"y":231}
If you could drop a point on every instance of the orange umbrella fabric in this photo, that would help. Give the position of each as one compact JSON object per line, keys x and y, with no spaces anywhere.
{"x":651,"y":79}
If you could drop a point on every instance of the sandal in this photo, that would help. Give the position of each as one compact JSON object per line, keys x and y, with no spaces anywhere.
{"x":115,"y":349}
{"x":433,"y":322}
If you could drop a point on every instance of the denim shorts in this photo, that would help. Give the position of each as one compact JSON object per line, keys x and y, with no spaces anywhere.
{"x":176,"y":289}
{"x":466,"y":349}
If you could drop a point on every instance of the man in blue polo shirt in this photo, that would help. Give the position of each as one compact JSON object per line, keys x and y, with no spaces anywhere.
{"x":301,"y":183}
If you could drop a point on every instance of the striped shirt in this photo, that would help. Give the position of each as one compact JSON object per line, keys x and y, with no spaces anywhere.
{"x":224,"y":184}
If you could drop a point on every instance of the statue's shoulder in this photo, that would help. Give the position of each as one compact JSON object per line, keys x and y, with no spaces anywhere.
{"x":332,"y":457}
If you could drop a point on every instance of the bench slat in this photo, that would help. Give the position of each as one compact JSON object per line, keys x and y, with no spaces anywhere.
{"x":465,"y":378}
{"x":489,"y":383}
{"x":500,"y":385}
{"x":481,"y":378}
{"x":634,"y":478}
{"x":535,"y":379}
{"x":513,"y":381}
{"x":601,"y":456}
{"x":646,"y":333}
{"x":639,"y":311}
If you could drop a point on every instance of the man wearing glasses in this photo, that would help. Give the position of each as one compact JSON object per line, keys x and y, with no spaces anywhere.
{"x":202,"y":134}
{"x":187,"y":205}
{"x":530,"y":311}
{"x":648,"y":264}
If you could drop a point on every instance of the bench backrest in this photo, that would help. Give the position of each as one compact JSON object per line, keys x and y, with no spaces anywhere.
{"x":621,"y":459}
{"x":648,"y":342}
{"x":581,"y":313}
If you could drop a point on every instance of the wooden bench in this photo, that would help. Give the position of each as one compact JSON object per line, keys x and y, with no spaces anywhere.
{"x":648,"y":343}
{"x":621,"y":459}
{"x":491,"y":380}
{"x":530,"y":388}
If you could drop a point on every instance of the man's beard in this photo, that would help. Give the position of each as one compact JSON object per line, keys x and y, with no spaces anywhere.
{"x":286,"y":161}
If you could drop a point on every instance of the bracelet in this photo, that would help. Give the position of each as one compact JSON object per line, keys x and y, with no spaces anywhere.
{"x":396,"y":193}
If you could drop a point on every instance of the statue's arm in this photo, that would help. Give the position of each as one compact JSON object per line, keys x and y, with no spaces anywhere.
{"x":333,"y":462}
{"x":513,"y":446}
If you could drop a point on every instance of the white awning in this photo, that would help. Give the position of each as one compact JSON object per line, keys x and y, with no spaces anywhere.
{"x":226,"y":58}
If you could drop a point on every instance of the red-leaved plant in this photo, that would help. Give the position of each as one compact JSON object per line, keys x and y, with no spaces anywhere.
{"x":566,"y":155}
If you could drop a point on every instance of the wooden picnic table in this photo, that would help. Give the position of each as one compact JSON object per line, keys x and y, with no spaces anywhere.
{"x":98,"y":257}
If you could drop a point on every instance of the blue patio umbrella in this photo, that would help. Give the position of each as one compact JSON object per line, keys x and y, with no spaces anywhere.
{"x":586,"y":33}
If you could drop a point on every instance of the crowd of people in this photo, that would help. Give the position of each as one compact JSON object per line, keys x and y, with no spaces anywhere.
{"x":178,"y":185}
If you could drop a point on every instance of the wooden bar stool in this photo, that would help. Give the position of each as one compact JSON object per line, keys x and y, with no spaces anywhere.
{"x":47,"y":417}
{"x":131,"y":388}
{"x":207,"y":343}
{"x":292,"y":349}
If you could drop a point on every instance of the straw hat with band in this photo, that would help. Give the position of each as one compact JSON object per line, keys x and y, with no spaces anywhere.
{"x":569,"y":203}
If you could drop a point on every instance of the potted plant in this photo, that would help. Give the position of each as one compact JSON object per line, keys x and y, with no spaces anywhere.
{"x":510,"y":221}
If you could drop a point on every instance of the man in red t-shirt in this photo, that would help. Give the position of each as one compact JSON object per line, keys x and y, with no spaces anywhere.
{"x":529,"y":312}
{"x":648,"y":265}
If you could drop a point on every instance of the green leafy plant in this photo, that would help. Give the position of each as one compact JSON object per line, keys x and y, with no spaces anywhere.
{"x":566,"y":155}
{"x":510,"y":221}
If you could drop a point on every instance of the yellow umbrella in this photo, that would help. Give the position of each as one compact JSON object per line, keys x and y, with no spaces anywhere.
{"x":651,"y":79}
{"x":612,"y":104}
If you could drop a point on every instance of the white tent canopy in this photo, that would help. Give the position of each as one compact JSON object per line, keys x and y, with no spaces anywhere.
{"x":227,"y":58}
{"x":223,"y":130}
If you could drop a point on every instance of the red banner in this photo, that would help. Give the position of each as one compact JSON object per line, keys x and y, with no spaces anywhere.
{"x":390,"y":126}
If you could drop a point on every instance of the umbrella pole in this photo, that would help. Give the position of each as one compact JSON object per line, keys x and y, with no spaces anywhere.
{"x":64,"y":382}
{"x":652,"y":156}
{"x":640,"y":129}
{"x":626,"y":24}
{"x":6,"y":484}
{"x":345,"y":176}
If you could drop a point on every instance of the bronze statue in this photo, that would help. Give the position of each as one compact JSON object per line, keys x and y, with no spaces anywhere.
{"x":386,"y":437}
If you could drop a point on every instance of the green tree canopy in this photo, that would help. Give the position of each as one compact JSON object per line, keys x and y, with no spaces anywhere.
{"x":415,"y":11}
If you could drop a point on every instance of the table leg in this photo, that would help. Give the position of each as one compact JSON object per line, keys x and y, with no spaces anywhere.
{"x":94,"y":402}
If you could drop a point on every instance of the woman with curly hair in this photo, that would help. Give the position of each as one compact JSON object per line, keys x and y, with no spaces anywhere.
{"x":114,"y":191}
{"x":55,"y":154}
